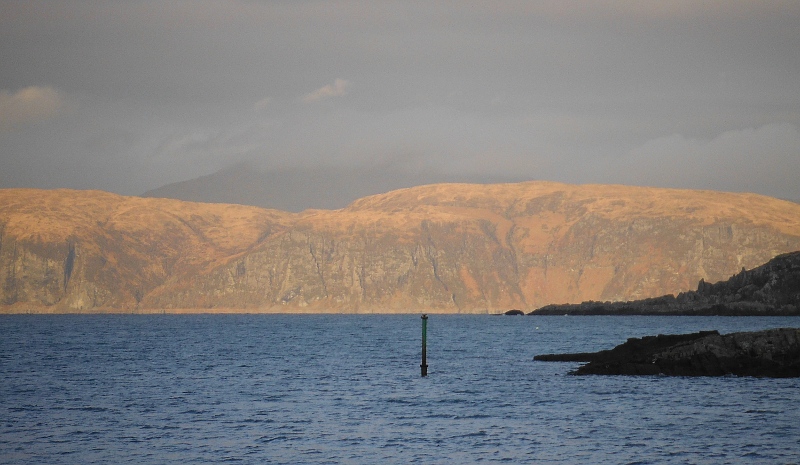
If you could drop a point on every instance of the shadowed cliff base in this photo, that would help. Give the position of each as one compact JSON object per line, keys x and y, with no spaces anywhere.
{"x":771,"y":353}
{"x":772,"y":289}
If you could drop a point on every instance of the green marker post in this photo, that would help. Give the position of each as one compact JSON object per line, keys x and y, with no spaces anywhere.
{"x":424,"y":365}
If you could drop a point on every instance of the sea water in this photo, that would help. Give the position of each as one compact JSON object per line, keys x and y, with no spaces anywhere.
{"x":346,"y":389}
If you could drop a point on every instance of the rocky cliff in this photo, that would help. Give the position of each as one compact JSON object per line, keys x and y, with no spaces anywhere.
{"x":437,"y":248}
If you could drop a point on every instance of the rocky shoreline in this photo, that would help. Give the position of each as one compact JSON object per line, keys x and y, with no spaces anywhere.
{"x":773,"y":353}
{"x":772,"y":289}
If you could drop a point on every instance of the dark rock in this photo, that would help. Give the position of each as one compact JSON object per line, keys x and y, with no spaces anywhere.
{"x":769,"y":353}
{"x":576,"y":357}
{"x":514,"y":312}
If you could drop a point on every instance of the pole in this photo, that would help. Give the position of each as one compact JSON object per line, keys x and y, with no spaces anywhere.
{"x":424,"y":365}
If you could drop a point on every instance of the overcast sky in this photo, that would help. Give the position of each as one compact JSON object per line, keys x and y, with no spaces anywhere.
{"x":127,"y":96}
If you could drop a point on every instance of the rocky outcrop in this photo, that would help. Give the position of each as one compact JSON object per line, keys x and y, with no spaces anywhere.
{"x":770,"y":353}
{"x":514,"y":312}
{"x":769,"y":290}
{"x":439,"y":248}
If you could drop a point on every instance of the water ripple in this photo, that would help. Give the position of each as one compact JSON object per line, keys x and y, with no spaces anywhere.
{"x":165,"y":389}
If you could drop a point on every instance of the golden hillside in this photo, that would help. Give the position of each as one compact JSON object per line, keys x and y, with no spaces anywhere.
{"x":446,"y":247}
{"x":118,"y":248}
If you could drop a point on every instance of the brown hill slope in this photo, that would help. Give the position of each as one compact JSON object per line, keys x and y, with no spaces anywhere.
{"x":71,"y":250}
{"x":449,"y":247}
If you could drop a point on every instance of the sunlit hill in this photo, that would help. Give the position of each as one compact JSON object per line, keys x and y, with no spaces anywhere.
{"x":438,"y":248}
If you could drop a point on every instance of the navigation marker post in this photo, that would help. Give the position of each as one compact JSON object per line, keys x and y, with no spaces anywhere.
{"x":424,"y":365}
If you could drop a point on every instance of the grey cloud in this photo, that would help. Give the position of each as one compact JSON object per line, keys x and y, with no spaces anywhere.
{"x":337,"y":89}
{"x":574,"y":91}
{"x":744,"y":160}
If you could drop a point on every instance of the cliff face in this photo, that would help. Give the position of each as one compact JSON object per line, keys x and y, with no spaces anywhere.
{"x":68,"y":250}
{"x":449,"y":248}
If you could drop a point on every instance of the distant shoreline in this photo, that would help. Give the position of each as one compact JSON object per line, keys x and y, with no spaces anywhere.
{"x":626,"y":310}
{"x":772,"y":289}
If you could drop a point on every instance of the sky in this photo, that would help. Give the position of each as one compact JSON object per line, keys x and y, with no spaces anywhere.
{"x":129,"y":95}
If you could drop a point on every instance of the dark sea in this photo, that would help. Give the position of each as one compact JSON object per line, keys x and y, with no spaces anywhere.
{"x":346,"y":389}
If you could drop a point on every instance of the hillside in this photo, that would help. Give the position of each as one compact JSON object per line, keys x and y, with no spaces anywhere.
{"x":436,"y":248}
{"x":770,"y":289}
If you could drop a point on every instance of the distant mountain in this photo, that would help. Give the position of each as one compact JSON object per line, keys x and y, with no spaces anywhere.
{"x":297,"y":189}
{"x":770,"y":289}
{"x":436,"y":248}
